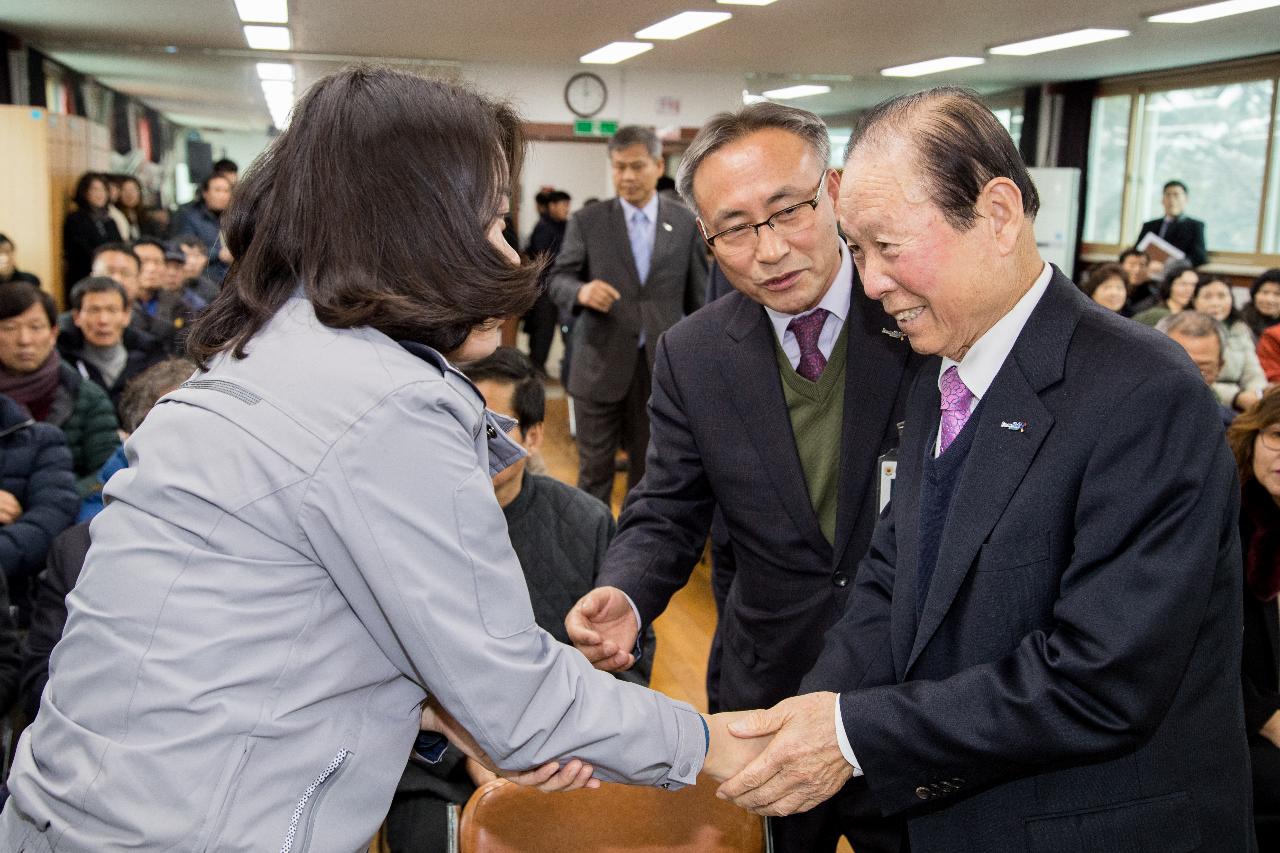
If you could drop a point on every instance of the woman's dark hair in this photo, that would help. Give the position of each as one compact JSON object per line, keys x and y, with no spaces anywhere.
{"x":1205,"y":279}
{"x":1101,"y":273}
{"x":82,"y":189}
{"x":17,"y":296}
{"x":1271,"y":276}
{"x":1171,"y":274}
{"x":412,"y":173}
{"x":1245,"y":428}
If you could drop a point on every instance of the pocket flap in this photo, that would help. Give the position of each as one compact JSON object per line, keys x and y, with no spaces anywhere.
{"x":1165,"y":824}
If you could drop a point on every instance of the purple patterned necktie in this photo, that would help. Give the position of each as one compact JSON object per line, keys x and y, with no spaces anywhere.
{"x":807,"y":329}
{"x":956,"y":400}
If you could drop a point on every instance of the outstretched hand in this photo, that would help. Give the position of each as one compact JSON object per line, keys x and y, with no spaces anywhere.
{"x":727,"y":754}
{"x":802,"y":765}
{"x":603,"y":627}
{"x":550,"y":777}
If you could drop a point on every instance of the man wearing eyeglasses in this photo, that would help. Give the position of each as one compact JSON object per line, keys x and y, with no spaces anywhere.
{"x":773,"y":403}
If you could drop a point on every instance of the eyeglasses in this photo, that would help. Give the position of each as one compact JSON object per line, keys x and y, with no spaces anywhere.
{"x":1270,"y":437}
{"x":785,"y":222}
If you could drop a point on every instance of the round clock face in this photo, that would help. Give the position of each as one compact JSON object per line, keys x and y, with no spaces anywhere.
{"x":585,"y":94}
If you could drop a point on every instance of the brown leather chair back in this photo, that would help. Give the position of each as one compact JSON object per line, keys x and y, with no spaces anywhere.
{"x":505,"y":818}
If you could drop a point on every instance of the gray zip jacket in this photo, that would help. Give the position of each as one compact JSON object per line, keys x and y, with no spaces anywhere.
{"x":305,"y":542}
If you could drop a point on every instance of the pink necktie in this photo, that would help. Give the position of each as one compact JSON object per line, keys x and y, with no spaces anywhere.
{"x":807,"y":329}
{"x":956,"y":400}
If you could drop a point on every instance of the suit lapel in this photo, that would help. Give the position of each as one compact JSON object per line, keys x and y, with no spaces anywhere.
{"x":751,"y":372}
{"x":1000,"y":457}
{"x":873,"y":374}
{"x":616,"y":234}
{"x":664,"y":238}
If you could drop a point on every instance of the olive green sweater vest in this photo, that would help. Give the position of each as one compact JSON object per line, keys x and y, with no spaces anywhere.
{"x":817,"y":421}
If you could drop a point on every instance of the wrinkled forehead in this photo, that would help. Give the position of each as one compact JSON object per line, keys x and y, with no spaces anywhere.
{"x":881,"y":183}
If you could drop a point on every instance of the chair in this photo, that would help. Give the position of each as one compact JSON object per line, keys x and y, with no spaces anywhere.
{"x":505,"y":818}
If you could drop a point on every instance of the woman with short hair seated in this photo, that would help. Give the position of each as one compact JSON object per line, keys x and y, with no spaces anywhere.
{"x":1105,"y":286}
{"x":1241,"y":381}
{"x":1176,"y":289}
{"x":1263,"y":310}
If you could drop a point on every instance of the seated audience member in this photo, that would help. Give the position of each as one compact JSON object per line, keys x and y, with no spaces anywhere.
{"x":126,"y":205}
{"x":194,"y":279}
{"x":153,"y":306}
{"x":1105,"y":285}
{"x":87,"y":227}
{"x":1255,"y":440}
{"x":203,"y":217}
{"x":1176,"y":289}
{"x":102,"y":349}
{"x":119,"y":261}
{"x":34,"y":376}
{"x":1241,"y":381}
{"x":1155,"y":270}
{"x":1263,"y":310}
{"x":227,"y":169}
{"x":1143,"y":292}
{"x":1269,"y":353}
{"x":1205,"y":341}
{"x":66,"y":555}
{"x":38,"y":497}
{"x":1175,"y":227}
{"x":560,"y":534}
{"x":8,"y":265}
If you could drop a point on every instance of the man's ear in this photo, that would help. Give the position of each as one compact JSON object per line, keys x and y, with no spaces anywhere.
{"x":532,"y":438}
{"x":1001,"y":203}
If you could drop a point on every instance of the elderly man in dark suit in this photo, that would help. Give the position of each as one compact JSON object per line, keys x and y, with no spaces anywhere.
{"x":773,"y":404}
{"x":1038,"y":651}
{"x":629,"y":268}
{"x":1176,"y":227}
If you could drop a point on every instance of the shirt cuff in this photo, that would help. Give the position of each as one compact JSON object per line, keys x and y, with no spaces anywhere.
{"x":638,"y":651}
{"x":843,"y":739}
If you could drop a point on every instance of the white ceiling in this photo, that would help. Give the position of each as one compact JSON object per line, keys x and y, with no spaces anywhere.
{"x":210,"y":81}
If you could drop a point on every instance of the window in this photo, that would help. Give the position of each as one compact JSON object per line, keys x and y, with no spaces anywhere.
{"x":1011,"y":118}
{"x":1108,"y":151}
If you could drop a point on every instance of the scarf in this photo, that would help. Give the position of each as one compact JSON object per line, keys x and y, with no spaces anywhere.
{"x":1261,"y":528}
{"x":34,"y":390}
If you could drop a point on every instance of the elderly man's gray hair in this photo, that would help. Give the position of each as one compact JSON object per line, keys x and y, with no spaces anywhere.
{"x":634,"y":134}
{"x":725,"y":128}
{"x":1194,"y":324}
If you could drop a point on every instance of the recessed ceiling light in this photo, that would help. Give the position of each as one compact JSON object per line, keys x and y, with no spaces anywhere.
{"x":268,"y":38}
{"x":615,"y":51}
{"x":263,"y":11}
{"x":275,"y":71}
{"x":679,"y":26}
{"x":803,"y":91}
{"x":1196,"y":14}
{"x":932,"y":66}
{"x":746,"y":2}
{"x":1060,"y":41}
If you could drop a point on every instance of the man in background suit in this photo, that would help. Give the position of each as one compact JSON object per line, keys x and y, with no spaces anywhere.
{"x":772,"y":404}
{"x":1039,"y":651}
{"x":1176,"y":227}
{"x":629,"y":268}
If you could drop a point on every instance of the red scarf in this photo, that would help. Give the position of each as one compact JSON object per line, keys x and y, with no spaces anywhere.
{"x":1261,"y":528}
{"x":34,"y":390}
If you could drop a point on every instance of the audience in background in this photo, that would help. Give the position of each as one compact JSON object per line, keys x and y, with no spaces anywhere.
{"x":1142,"y":290}
{"x":129,"y":203}
{"x":9,"y":267}
{"x":1176,"y":289}
{"x":87,"y":227}
{"x":121,"y":263}
{"x":105,"y":350}
{"x":1263,"y":310}
{"x":1205,"y":340}
{"x":1269,"y":353}
{"x":1241,"y":381}
{"x":1255,"y":440}
{"x":1105,"y":285}
{"x":38,"y":497}
{"x":33,"y":375}
{"x":203,"y":218}
{"x":541,"y":320}
{"x":227,"y":169}
{"x":159,"y":310}
{"x":197,"y":259}
{"x":1175,"y":227}
{"x":66,"y":556}
{"x":129,"y":228}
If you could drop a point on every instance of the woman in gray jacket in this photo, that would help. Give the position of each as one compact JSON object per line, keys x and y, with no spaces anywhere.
{"x":306,"y":543}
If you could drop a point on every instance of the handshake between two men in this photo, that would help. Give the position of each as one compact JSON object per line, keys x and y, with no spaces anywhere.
{"x":779,"y":761}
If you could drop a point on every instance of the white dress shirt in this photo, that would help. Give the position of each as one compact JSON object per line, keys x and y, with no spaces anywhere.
{"x":978,"y":370}
{"x":836,"y":302}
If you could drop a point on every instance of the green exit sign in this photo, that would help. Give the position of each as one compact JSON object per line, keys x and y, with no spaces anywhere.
{"x":586,"y":127}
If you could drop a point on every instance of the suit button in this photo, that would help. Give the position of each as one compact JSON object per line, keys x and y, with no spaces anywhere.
{"x":923,"y":793}
{"x":840,"y":579}
{"x":684,"y":769}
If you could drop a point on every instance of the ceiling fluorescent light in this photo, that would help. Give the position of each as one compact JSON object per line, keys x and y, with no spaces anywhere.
{"x":268,"y":38}
{"x":275,"y":71}
{"x":748,"y":98}
{"x":804,"y":91}
{"x":746,"y":2}
{"x":615,"y":51}
{"x":263,"y":11}
{"x":1060,"y":41}
{"x":686,"y":23}
{"x":1196,"y":14}
{"x":932,"y":66}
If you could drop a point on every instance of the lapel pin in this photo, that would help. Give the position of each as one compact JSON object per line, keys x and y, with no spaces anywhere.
{"x":893,"y":333}
{"x":666,"y":226}
{"x":1014,"y":426}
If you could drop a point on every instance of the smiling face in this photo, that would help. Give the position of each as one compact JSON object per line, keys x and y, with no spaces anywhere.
{"x":1182,"y":289}
{"x":747,"y":181}
{"x":1214,"y":299}
{"x":1111,"y":293}
{"x":943,"y":286}
{"x":1267,"y":299}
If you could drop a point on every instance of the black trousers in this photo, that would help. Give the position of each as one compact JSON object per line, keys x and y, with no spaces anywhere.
{"x":605,"y":427}
{"x":1264,"y":756}
{"x":540,"y":323}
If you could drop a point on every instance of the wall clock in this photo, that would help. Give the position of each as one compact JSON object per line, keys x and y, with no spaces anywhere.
{"x":585,"y":94}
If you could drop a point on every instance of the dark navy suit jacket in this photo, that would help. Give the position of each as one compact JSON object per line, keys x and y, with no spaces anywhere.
{"x":1070,"y":685}
{"x":1185,"y":233}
